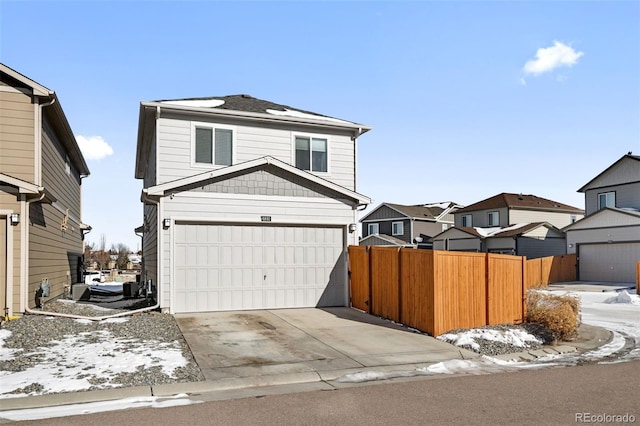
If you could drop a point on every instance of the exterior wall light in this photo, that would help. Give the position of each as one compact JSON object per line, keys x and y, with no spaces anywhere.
{"x":166,"y":223}
{"x":352,"y":227}
{"x":14,"y":218}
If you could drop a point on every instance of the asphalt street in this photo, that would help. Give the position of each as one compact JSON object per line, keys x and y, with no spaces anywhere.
{"x":551,"y":396}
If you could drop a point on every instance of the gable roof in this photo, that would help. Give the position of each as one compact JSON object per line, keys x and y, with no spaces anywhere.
{"x":607,"y":211}
{"x":519,"y":201}
{"x":232,"y":106}
{"x":500,"y":232}
{"x":388,"y":238}
{"x":53,"y":111}
{"x":165,"y":188}
{"x":621,"y":159}
{"x":431,"y":211}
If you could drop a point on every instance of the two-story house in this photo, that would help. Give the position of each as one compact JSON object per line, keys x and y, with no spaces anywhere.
{"x":248,"y":204}
{"x":607,"y":240}
{"x":524,"y":225}
{"x":41,"y":171}
{"x":406,"y":226}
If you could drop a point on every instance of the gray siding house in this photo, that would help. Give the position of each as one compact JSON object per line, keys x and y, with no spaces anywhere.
{"x":607,"y":240}
{"x":41,"y":171}
{"x":248,"y":204}
{"x":524,"y":225}
{"x":402,"y":225}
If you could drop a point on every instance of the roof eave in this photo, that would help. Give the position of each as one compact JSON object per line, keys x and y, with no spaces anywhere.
{"x":359,"y":129}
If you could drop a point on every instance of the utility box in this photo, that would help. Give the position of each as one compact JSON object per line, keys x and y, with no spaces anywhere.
{"x":80,"y":292}
{"x":130,"y":289}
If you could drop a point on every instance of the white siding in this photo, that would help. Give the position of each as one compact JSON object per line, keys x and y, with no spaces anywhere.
{"x":602,"y":235}
{"x":559,"y":220}
{"x":174,"y":150}
{"x":243,"y":209}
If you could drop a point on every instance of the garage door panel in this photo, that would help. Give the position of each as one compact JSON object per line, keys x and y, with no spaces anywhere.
{"x":256,"y":267}
{"x":613,"y":262}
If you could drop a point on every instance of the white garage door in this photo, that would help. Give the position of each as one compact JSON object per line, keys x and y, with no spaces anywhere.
{"x":238,"y":267}
{"x":614,"y":262}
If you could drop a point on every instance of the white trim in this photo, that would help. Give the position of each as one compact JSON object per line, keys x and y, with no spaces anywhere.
{"x":358,"y":129}
{"x":8,"y":291}
{"x":369,"y":226}
{"x":311,"y":136}
{"x":225,"y":195}
{"x":38,"y":89}
{"x":24,"y":254}
{"x":23,"y":186}
{"x":162,"y":189}
{"x":213,"y":127}
{"x":395,"y":234}
{"x":11,"y":89}
{"x":242,"y":221}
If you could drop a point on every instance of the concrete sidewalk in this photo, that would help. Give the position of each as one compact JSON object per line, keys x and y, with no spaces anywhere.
{"x":253,"y":353}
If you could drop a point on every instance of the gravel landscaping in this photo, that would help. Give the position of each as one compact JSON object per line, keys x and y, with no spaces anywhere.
{"x":34,"y":341}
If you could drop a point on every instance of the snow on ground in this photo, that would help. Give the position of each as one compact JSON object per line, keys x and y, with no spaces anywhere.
{"x":518,"y":338}
{"x":96,"y":407}
{"x":79,"y":362}
{"x":617,"y":312}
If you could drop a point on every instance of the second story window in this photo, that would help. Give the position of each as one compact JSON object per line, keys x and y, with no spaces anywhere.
{"x":311,"y":153}
{"x":466,"y":220}
{"x":213,"y":145}
{"x":606,"y":199}
{"x":373,"y":229}
{"x":494,"y":218}
{"x":397,"y":228}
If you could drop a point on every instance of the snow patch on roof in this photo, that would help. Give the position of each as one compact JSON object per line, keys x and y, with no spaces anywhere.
{"x":200,"y":103}
{"x":438,"y":205}
{"x":490,"y":232}
{"x":299,"y":114}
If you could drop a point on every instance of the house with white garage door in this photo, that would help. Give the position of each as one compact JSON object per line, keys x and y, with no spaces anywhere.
{"x":607,"y":239}
{"x":248,"y":204}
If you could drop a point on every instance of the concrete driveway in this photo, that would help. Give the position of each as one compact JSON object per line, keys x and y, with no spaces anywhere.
{"x":284,"y":341}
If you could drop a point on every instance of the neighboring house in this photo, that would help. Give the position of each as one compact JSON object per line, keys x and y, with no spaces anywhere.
{"x":41,"y":171}
{"x":607,"y":240}
{"x":401,"y":225}
{"x":248,"y":204}
{"x":524,"y":225}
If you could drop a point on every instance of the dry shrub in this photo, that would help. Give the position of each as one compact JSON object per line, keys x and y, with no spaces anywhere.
{"x":561,"y":314}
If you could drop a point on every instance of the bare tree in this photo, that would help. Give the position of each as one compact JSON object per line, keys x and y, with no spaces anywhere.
{"x":102,"y":256}
{"x":122,"y":251}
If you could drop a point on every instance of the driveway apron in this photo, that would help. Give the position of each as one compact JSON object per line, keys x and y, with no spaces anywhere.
{"x":282,"y":341}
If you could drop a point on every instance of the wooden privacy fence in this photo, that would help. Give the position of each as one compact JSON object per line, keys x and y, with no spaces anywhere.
{"x":553,"y":269}
{"x":436,"y":291}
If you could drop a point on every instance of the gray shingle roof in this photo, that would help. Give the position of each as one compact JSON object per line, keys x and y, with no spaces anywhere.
{"x":522,"y":201}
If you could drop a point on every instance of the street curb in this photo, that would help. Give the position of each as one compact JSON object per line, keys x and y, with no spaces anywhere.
{"x":67,"y":398}
{"x":234,"y":383}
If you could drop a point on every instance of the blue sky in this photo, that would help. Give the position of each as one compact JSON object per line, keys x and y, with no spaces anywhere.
{"x":466,"y":99}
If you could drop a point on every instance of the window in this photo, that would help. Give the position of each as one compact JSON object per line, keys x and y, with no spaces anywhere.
{"x":372,"y":229}
{"x":467,"y":220}
{"x":311,"y":153}
{"x":494,"y":218}
{"x":213,"y":145}
{"x":397,"y":228}
{"x":606,"y":199}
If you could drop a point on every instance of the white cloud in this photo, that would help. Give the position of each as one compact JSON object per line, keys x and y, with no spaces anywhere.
{"x":94,"y":147}
{"x":549,"y":58}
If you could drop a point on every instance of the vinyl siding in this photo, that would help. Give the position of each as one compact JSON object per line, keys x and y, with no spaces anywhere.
{"x":251,"y":142}
{"x":559,"y":220}
{"x":9,"y":202}
{"x":54,"y":252}
{"x":150,"y":243}
{"x":231,"y":208}
{"x":534,"y":248}
{"x":628,"y":170}
{"x":502,"y":244}
{"x":17,"y":136}
{"x":626,"y":196}
{"x":480,"y":218}
{"x":427,"y":228}
{"x":601,"y":235}
{"x":384,"y":212}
